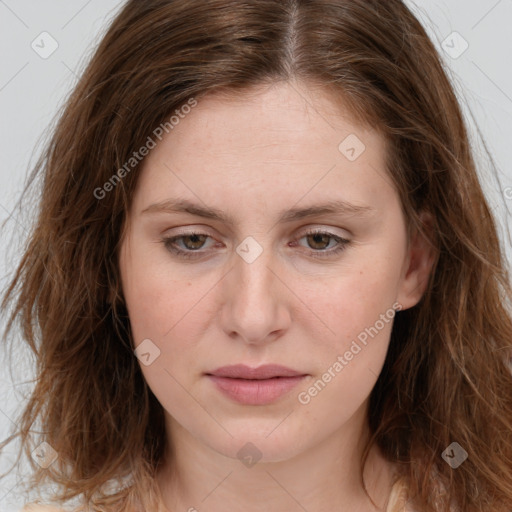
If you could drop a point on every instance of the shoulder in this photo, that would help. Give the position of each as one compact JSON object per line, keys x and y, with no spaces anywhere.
{"x":34,"y":507}
{"x":399,"y":498}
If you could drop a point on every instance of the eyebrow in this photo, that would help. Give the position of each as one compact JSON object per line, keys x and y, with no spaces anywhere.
{"x":336,"y":207}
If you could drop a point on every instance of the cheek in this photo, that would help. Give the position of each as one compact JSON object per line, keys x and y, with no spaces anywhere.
{"x":354,"y":299}
{"x":349,"y":358}
{"x":172,"y":312}
{"x":352,"y":328}
{"x":157,"y":296}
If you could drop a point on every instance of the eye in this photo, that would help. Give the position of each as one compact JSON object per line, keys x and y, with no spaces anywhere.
{"x":320,"y":241}
{"x":192,"y":243}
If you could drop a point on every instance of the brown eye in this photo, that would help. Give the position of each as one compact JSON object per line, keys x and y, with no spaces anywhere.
{"x":194,"y":241}
{"x":188,"y":245}
{"x":319,"y":241}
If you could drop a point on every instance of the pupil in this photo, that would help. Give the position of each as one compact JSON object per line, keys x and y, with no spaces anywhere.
{"x":194,"y":239}
{"x":319,"y":235}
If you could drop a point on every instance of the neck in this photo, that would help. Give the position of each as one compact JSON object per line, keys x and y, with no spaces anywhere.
{"x":326,"y":476}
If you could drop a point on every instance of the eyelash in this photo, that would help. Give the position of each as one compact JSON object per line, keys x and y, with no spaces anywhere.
{"x":169,"y":243}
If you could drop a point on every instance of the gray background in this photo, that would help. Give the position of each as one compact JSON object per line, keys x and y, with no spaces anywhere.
{"x":32,"y":89}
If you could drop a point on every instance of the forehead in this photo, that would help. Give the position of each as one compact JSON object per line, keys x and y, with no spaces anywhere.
{"x":276,"y":115}
{"x":273,"y":142}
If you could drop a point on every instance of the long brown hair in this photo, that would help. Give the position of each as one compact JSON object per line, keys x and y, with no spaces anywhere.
{"x":446,"y":376}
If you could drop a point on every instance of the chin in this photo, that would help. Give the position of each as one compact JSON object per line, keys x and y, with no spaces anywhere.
{"x":257,"y":445}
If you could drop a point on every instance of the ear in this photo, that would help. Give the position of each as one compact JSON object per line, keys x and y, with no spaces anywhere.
{"x":418,"y":265}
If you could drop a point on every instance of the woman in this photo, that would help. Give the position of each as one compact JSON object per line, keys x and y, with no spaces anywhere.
{"x":264,"y":273}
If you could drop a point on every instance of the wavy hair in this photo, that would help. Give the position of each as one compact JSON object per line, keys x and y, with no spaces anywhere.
{"x":446,"y":376}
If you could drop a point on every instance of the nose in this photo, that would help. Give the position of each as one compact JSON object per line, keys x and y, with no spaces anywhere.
{"x":255,"y":306}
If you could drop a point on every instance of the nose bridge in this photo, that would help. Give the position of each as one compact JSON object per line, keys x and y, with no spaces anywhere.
{"x":253,"y":305}
{"x":252,"y":270}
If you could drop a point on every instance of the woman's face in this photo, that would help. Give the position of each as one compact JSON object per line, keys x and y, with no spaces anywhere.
{"x":256,"y":286}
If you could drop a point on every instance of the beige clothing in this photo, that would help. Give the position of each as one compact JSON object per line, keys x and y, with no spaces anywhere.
{"x":397,"y":502}
{"x":398,"y":499}
{"x":31,"y":507}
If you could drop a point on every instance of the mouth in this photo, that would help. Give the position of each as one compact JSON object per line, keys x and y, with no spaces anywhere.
{"x":267,"y":371}
{"x":255,"y":386}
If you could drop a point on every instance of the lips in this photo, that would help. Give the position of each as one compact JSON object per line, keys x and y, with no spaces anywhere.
{"x":267,"y":371}
{"x":255,"y":386}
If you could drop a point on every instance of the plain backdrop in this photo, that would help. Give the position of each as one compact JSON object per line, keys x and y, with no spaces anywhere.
{"x":45,"y":44}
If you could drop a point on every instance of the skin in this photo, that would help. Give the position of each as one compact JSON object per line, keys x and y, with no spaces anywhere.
{"x":273,"y":149}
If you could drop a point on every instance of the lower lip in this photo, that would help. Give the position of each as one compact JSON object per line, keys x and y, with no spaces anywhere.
{"x":256,"y":392}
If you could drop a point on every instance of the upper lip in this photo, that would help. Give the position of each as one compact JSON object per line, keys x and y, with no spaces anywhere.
{"x":266,"y":371}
